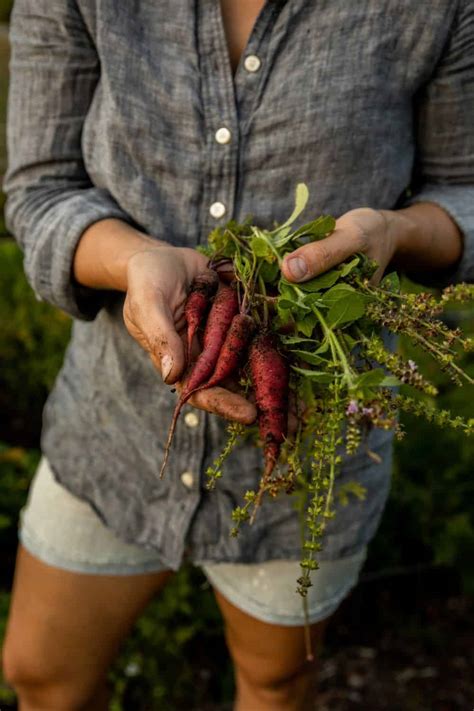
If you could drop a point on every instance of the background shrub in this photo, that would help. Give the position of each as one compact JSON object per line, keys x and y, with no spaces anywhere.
{"x":5,"y":9}
{"x":33,"y":336}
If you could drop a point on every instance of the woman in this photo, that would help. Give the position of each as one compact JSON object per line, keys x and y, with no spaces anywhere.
{"x":135,"y":129}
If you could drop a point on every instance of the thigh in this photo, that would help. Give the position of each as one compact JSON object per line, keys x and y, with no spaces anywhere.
{"x":265,"y":631}
{"x":279,"y":650}
{"x":65,"y":626}
{"x":272,"y":670}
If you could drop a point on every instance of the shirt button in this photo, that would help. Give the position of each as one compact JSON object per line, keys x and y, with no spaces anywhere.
{"x":191,"y":419}
{"x":223,"y":135}
{"x":252,"y":63}
{"x":188,"y":479}
{"x":217,"y":210}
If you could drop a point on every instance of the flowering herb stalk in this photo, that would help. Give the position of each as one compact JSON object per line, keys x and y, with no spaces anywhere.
{"x":330,"y":331}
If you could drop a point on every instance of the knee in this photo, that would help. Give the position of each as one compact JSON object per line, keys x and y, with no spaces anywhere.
{"x":38,"y":687}
{"x":280,"y":687}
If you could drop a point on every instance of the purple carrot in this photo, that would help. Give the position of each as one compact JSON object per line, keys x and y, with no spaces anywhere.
{"x":232,"y":351}
{"x":223,"y":310}
{"x":203,"y":289}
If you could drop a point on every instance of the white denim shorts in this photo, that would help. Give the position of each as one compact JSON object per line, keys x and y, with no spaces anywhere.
{"x":65,"y":532}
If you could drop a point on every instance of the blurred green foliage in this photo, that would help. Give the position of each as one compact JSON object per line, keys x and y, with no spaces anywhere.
{"x":6,"y":694}
{"x":32,"y":340}
{"x":175,"y":657}
{"x":5,"y":9}
{"x":16,"y":466}
{"x":430,"y":516}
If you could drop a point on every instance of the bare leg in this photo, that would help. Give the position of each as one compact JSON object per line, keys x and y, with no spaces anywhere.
{"x":65,"y":629}
{"x":271,"y":670}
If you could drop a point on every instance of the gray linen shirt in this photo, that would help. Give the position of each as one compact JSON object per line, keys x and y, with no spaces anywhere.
{"x":113,"y":112}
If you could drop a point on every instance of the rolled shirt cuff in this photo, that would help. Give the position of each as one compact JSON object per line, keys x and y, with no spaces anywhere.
{"x":49,"y":260}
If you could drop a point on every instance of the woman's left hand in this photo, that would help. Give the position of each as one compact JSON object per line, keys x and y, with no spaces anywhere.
{"x":362,"y":230}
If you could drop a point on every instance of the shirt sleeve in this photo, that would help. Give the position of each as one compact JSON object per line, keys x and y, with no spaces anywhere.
{"x":51,"y":201}
{"x":444,"y":169}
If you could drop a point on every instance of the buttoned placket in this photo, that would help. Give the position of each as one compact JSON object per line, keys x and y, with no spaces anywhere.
{"x":221,"y":110}
{"x":221,"y":131}
{"x":189,"y":444}
{"x":221,"y":153}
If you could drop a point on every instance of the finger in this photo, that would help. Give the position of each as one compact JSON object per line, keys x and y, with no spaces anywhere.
{"x":181,"y":325}
{"x":164,"y":342}
{"x":229,"y":405}
{"x":317,"y":257}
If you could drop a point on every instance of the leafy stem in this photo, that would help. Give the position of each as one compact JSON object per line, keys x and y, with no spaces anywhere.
{"x":263,"y":293}
{"x":332,"y":462}
{"x":336,"y":349}
{"x":264,"y":235}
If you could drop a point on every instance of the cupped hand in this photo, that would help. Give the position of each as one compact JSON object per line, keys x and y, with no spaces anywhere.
{"x":158,"y":283}
{"x":362,"y":230}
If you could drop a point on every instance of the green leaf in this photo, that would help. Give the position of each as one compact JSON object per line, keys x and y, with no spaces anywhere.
{"x":284,"y":315}
{"x":391,"y":282}
{"x":336,"y":293}
{"x":390,"y":381}
{"x":324,"y":281}
{"x":309,"y":357}
{"x":318,"y":376}
{"x":290,"y":340}
{"x":240,"y":228}
{"x":349,"y":341}
{"x":220,"y":241}
{"x":314,"y":299}
{"x":324,"y":347}
{"x":307,"y":324}
{"x":286,"y":288}
{"x":370,"y":379}
{"x":280,"y":233}
{"x":283,"y":236}
{"x":269,"y":271}
{"x":347,"y":268}
{"x":346,"y":309}
{"x":260,"y":247}
{"x":316,"y":229}
{"x":285,"y":303}
{"x":301,"y":199}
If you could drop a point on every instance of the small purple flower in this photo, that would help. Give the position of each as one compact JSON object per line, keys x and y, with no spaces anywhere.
{"x":352,"y":408}
{"x":368,"y":411}
{"x":412,"y":365}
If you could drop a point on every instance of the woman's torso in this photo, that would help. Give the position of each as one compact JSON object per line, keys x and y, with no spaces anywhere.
{"x":323,"y":93}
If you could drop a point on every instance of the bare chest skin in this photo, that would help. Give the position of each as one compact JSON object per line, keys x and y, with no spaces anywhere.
{"x":239,"y":18}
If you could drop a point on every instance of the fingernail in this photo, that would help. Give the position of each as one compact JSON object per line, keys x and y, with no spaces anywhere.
{"x":166,"y":366}
{"x":297,"y":267}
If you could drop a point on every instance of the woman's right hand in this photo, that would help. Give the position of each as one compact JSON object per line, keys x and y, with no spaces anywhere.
{"x":156,"y":278}
{"x":158,"y":282}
